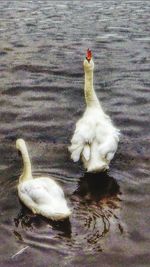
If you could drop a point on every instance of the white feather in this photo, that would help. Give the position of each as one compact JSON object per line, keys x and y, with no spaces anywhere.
{"x":41,"y":195}
{"x":95,"y":139}
{"x":86,"y":152}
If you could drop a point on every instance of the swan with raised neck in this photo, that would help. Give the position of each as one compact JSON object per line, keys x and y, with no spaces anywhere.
{"x":95,"y":139}
{"x":42,"y":195}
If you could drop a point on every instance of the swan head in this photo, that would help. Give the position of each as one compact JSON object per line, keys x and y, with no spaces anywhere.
{"x":88,"y":63}
{"x":20,"y":144}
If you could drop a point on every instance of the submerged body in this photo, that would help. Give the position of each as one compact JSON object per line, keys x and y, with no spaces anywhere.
{"x":95,"y":139}
{"x":42,"y":195}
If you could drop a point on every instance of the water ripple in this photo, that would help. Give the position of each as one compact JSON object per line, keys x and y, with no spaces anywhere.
{"x":42,"y":48}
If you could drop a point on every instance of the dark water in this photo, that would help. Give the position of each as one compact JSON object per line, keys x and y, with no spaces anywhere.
{"x":43,"y":44}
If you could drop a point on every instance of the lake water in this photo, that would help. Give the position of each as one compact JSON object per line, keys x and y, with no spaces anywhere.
{"x":43,"y":45}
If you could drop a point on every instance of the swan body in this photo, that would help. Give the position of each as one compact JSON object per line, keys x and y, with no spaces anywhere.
{"x":95,"y":139}
{"x":42,"y":195}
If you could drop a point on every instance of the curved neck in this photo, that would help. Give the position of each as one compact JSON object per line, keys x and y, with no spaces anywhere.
{"x":90,"y":95}
{"x":27,"y":172}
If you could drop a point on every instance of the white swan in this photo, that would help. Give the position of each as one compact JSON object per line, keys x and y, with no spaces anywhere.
{"x":42,"y":195}
{"x":95,"y":139}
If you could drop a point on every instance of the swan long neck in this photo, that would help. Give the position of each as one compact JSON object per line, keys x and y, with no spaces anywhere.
{"x":27,"y":172}
{"x":90,"y":95}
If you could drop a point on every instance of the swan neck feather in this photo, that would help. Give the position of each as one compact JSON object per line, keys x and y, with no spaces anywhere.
{"x":27,"y":172}
{"x":90,"y":95}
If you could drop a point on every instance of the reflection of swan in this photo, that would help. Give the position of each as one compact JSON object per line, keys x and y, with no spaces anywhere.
{"x":97,"y":206}
{"x":98,"y":186}
{"x":95,"y":139}
{"x":27,"y":219}
{"x":41,"y":195}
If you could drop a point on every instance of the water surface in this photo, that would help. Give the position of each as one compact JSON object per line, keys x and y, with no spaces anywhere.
{"x":43,"y":44}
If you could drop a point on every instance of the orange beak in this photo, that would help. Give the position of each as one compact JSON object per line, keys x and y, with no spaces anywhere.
{"x":88,"y":54}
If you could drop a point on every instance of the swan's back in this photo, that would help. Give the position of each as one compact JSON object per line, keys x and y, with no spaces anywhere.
{"x":44,"y":196}
{"x":95,"y":140}
{"x":42,"y":190}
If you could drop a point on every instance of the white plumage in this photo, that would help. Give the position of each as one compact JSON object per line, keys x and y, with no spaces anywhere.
{"x":42,"y":195}
{"x":95,"y":139}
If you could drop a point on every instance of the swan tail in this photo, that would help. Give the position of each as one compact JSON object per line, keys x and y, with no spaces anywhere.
{"x":77,"y":145}
{"x":97,"y":166}
{"x":107,"y":150}
{"x":75,"y":150}
{"x":80,"y":143}
{"x":58,"y":216}
{"x":54,"y":215}
{"x":86,"y":152}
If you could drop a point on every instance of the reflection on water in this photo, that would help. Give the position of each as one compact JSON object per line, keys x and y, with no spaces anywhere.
{"x":97,"y":201}
{"x":26,"y":219}
{"x":97,"y":187}
{"x":43,"y":44}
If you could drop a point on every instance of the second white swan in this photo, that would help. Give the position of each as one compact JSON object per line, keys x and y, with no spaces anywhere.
{"x":41,"y":195}
{"x":95,"y":139}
